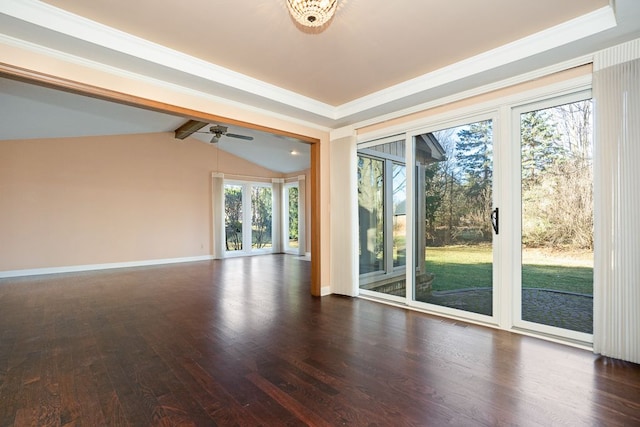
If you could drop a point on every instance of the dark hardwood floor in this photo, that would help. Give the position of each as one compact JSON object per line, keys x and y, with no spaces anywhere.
{"x":242,"y":342}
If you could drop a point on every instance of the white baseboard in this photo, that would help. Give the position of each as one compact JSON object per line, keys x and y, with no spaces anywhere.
{"x":91,"y":267}
{"x":325,"y":290}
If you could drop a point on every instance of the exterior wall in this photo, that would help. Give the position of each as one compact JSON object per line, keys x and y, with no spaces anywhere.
{"x":83,"y":201}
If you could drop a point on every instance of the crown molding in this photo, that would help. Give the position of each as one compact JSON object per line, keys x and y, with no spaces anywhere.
{"x":562,"y":34}
{"x":62,"y":22}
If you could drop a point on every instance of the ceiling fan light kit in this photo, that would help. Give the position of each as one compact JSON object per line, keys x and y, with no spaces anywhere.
{"x":312,"y":13}
{"x":217,"y":132}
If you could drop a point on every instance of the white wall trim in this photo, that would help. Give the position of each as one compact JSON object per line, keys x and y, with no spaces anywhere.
{"x":94,"y":267}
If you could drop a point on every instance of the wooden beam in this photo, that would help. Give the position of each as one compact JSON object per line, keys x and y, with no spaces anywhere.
{"x":189,"y":128}
{"x":316,"y":286}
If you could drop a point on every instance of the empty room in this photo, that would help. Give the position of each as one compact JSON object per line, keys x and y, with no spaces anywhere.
{"x":319,"y":212}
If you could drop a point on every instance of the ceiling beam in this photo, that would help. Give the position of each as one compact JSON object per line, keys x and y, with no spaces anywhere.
{"x":189,"y":128}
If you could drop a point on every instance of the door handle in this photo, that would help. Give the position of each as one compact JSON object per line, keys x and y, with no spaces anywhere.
{"x":495,"y":220}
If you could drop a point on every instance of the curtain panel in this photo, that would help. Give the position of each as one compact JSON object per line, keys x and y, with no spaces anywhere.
{"x":616,"y":93}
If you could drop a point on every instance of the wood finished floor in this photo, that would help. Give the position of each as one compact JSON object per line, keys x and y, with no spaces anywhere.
{"x":242,"y":342}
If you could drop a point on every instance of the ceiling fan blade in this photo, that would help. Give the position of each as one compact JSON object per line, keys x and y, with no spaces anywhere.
{"x":235,"y":135}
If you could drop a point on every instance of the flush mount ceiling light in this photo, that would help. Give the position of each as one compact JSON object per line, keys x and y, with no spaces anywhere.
{"x":312,"y":13}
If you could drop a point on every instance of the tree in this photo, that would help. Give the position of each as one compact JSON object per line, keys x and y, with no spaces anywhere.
{"x":474,"y":154}
{"x":233,"y":217}
{"x":539,"y":145}
{"x":293,"y":213}
{"x":261,"y":213}
{"x":557,"y":181}
{"x":371,"y":212}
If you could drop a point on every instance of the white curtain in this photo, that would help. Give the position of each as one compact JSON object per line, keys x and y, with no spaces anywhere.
{"x":302,"y":216}
{"x":217,"y":191}
{"x":277,"y":217}
{"x":344,"y":216}
{"x":616,"y":93}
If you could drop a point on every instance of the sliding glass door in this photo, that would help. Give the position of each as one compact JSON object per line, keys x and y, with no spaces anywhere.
{"x":434,"y":236}
{"x":555,"y":293}
{"x":454,"y":205}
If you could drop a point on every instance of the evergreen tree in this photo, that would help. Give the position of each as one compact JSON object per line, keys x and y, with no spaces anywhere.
{"x":540,"y":146}
{"x":474,"y":154}
{"x":261,"y":209}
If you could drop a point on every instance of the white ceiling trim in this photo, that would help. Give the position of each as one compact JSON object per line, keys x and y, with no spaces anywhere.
{"x":61,"y":21}
{"x":58,"y":20}
{"x":562,"y":34}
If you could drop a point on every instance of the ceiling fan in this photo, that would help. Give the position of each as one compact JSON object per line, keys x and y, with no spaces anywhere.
{"x":217,"y":131}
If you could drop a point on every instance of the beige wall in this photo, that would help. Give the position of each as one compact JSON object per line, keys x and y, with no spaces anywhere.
{"x":79,"y":201}
{"x":84,"y":73}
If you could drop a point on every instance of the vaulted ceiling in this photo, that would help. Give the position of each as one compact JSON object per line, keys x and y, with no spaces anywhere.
{"x":375,"y":57}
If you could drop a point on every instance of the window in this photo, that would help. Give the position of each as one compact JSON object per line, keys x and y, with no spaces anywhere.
{"x":248,"y":217}
{"x":382,"y":213}
{"x":291,"y":212}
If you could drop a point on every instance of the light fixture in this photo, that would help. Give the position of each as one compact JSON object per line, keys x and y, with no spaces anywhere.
{"x":312,"y":13}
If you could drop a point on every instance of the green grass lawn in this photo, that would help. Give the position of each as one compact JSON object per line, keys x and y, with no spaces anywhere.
{"x":460,"y":267}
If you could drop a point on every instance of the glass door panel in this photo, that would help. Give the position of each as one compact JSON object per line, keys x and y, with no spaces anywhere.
{"x":261,"y":217}
{"x":557,"y":217}
{"x":233,"y":216}
{"x":454,"y":187}
{"x":291,"y":212}
{"x":399,"y":215}
{"x":371,"y":214}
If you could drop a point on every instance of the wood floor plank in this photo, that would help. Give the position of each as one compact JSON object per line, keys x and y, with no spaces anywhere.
{"x":241,"y":342}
